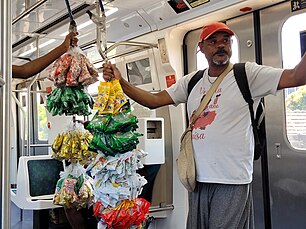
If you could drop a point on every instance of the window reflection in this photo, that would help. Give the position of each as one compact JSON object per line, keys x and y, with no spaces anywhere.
{"x":295,"y":97}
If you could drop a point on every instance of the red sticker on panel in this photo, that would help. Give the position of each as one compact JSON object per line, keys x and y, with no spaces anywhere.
{"x":170,"y":80}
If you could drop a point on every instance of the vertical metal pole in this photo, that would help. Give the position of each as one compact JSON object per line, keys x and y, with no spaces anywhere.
{"x":29,"y":103}
{"x":27,"y":4}
{"x":5,"y":68}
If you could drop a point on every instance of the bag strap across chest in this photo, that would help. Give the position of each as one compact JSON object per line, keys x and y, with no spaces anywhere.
{"x":209,"y":94}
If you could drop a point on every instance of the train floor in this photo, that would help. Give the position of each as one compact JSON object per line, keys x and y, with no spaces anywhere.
{"x":24,"y":219}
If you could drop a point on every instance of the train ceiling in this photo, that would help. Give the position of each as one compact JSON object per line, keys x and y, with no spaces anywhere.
{"x":46,"y":24}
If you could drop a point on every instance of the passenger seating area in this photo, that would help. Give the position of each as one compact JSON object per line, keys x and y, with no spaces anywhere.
{"x":36,"y":180}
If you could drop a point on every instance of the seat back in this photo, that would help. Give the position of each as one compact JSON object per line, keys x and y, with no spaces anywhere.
{"x":36,"y":180}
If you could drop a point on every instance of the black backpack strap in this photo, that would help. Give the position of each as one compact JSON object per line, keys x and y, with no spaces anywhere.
{"x":193,"y":81}
{"x":242,"y":81}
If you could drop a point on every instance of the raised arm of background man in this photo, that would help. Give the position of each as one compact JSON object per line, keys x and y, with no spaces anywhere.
{"x":294,"y":77}
{"x":35,"y":66}
{"x":145,"y":98}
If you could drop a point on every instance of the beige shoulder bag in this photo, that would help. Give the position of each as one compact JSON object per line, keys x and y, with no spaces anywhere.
{"x":185,"y":162}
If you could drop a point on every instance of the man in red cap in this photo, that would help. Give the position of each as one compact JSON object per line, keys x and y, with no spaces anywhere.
{"x":215,"y":44}
{"x":222,"y":136}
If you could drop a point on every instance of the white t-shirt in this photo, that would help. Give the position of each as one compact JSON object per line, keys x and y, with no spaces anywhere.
{"x":222,"y":137}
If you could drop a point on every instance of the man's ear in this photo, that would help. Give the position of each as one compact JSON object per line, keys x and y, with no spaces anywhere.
{"x":200,"y":44}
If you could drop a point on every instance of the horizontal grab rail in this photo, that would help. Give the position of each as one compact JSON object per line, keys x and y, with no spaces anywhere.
{"x":28,"y":11}
{"x":162,"y":208}
{"x":39,"y":145}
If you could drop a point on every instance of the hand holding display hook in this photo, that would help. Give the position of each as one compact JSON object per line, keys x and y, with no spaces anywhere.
{"x":72,"y":24}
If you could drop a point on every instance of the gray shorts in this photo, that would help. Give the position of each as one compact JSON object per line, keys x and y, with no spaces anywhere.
{"x":221,"y":206}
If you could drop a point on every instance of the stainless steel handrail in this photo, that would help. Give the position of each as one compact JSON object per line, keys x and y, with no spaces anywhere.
{"x":39,"y":145}
{"x":29,"y":102}
{"x":5,"y":144}
{"x":40,"y":91}
{"x":132,"y":43}
{"x":24,"y":112}
{"x":141,"y":46}
{"x":101,"y":33}
{"x":163,"y":208}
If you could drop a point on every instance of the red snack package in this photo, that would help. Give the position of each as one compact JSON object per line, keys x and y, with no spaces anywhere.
{"x":63,"y":65}
{"x":74,"y":71}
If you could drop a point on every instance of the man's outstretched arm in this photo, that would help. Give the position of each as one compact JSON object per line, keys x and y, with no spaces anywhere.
{"x":35,"y":66}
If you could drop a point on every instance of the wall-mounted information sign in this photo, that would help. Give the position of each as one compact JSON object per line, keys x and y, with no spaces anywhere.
{"x":298,"y":5}
{"x":195,"y":3}
{"x":178,"y":6}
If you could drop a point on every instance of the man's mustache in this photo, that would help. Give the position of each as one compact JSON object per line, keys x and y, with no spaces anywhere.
{"x":220,"y":51}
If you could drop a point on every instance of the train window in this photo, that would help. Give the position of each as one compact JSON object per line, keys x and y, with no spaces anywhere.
{"x":202,"y":62}
{"x":41,"y":118}
{"x":139,"y":72}
{"x":295,"y":98}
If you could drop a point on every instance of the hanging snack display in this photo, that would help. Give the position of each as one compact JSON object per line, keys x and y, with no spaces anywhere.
{"x":72,"y":145}
{"x":70,"y":74}
{"x":114,"y":134}
{"x":73,"y":69}
{"x":74,"y":188}
{"x":116,"y":182}
{"x":116,"y":187}
{"x":110,"y":98}
{"x":69,"y":101}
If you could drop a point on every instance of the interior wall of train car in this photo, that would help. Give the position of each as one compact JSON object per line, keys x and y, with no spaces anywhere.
{"x":168,"y":51}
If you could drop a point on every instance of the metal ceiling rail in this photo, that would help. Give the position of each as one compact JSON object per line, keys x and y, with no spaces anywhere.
{"x":28,"y":10}
{"x":132,"y":43}
{"x":140,"y":47}
{"x":62,"y":20}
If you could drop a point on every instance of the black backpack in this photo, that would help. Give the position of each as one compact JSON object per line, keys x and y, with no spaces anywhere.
{"x":257,"y":122}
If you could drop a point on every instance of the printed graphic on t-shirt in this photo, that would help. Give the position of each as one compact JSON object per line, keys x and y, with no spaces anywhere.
{"x":206,"y":118}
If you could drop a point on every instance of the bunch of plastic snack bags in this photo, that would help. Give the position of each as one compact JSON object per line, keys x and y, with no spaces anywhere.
{"x":116,"y":187}
{"x":110,"y":98}
{"x":74,"y":188}
{"x":114,"y":133}
{"x":72,"y":145}
{"x":70,"y":73}
{"x":116,"y":183}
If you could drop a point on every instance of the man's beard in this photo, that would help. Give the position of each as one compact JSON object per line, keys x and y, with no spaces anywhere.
{"x":221,"y":63}
{"x":221,"y":51}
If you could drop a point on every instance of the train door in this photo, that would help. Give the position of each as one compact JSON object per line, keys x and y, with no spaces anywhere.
{"x":285,"y":119}
{"x":272,"y":37}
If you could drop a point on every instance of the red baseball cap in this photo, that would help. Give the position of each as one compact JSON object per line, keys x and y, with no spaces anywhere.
{"x":210,"y":29}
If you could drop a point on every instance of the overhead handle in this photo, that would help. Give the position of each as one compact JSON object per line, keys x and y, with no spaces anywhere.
{"x":72,"y":24}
